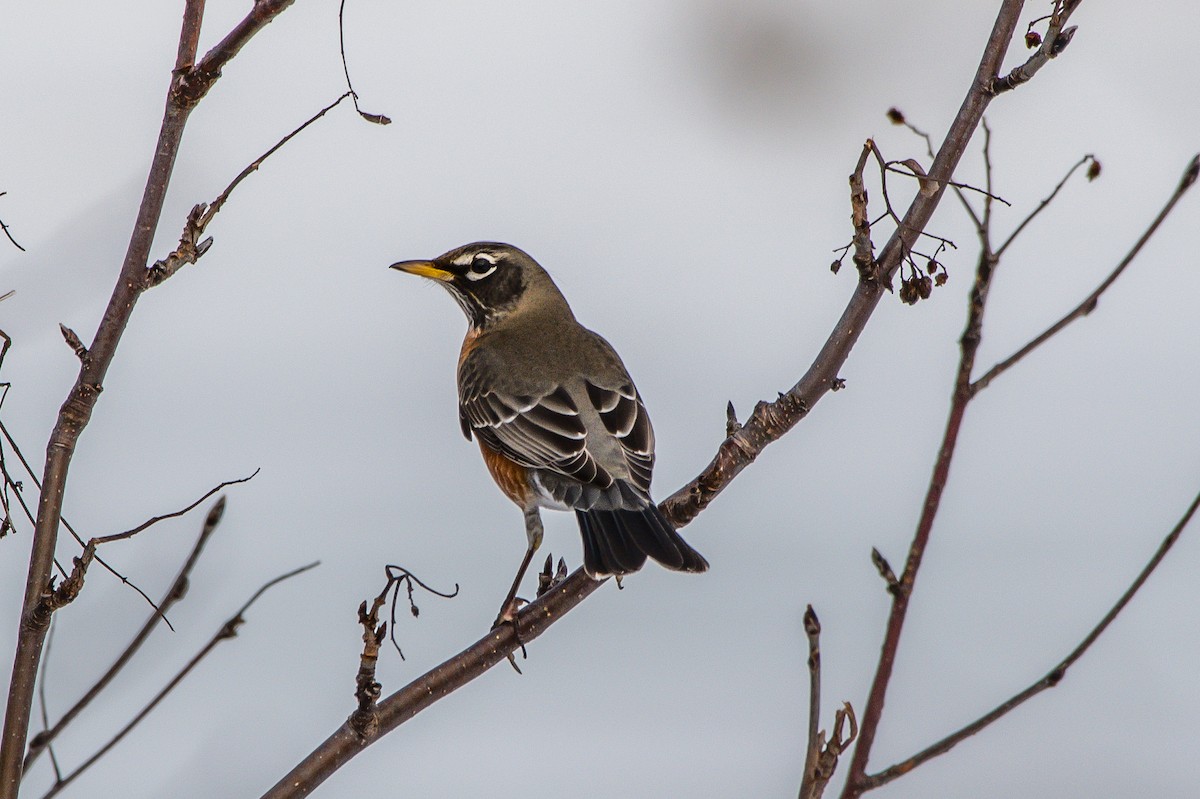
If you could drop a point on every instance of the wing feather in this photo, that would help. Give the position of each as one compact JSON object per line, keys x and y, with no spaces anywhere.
{"x":541,"y":431}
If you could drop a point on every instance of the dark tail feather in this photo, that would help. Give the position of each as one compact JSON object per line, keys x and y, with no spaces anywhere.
{"x":618,"y":541}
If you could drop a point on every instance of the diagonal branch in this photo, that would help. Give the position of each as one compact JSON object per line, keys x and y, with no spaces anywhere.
{"x":108,"y":539}
{"x":174,"y":594}
{"x":200,"y":78}
{"x":228,"y":630}
{"x":1089,"y":303}
{"x":347,"y":741}
{"x":191,"y":247}
{"x":1020,"y":228}
{"x":1051,"y":679}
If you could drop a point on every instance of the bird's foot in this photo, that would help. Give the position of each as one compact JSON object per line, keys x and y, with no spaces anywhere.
{"x":510,"y":614}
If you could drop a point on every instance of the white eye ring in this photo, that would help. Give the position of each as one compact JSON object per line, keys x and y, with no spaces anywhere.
{"x":477,"y":270}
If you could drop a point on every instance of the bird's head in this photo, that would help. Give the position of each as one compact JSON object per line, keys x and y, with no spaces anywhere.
{"x":488,"y":279}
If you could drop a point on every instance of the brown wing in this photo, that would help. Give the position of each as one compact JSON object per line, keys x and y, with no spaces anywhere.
{"x":541,"y":430}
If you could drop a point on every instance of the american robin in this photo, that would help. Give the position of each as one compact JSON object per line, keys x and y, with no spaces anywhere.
{"x":557,"y":417}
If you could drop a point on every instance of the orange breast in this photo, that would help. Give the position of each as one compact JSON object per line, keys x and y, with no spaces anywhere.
{"x":470,"y":342}
{"x":512,"y":477}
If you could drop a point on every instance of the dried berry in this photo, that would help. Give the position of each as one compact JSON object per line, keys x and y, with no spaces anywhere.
{"x":924,"y":286}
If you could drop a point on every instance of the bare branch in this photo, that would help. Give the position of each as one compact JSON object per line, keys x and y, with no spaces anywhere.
{"x":1089,"y":303}
{"x":191,"y":246}
{"x":175,"y":593}
{"x":1051,"y":679}
{"x":1056,"y":40}
{"x":439,"y":682}
{"x":227,"y":630}
{"x":199,"y":79}
{"x":107,"y":539}
{"x":78,"y":538}
{"x":767,"y":423}
{"x":1089,"y":158}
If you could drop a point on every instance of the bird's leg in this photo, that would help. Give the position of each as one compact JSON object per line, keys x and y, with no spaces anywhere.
{"x":533,"y":536}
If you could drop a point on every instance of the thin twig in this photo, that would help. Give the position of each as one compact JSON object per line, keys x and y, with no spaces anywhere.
{"x":1089,"y":303}
{"x":378,"y":119}
{"x":191,"y":246}
{"x":896,"y":116}
{"x":227,"y":630}
{"x":9,"y":235}
{"x":176,"y":592}
{"x":864,"y":250}
{"x":108,"y":539}
{"x":70,"y":529}
{"x":1052,"y":678}
{"x":1042,"y":205}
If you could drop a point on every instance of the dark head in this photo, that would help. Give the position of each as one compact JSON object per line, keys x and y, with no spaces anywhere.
{"x":488,"y":279}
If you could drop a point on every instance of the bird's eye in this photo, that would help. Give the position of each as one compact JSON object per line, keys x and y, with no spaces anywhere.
{"x":481,"y":267}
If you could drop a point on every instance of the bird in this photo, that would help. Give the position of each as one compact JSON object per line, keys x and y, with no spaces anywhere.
{"x":555,"y":413}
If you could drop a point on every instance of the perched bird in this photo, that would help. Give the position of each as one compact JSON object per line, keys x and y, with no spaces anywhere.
{"x":558,"y":419}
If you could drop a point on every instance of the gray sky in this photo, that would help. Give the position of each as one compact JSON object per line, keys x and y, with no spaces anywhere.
{"x":680,"y":168}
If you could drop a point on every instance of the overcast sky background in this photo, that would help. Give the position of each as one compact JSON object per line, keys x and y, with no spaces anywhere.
{"x":680,"y":169}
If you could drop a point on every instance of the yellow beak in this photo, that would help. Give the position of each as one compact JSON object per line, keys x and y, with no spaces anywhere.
{"x":425,"y":269}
